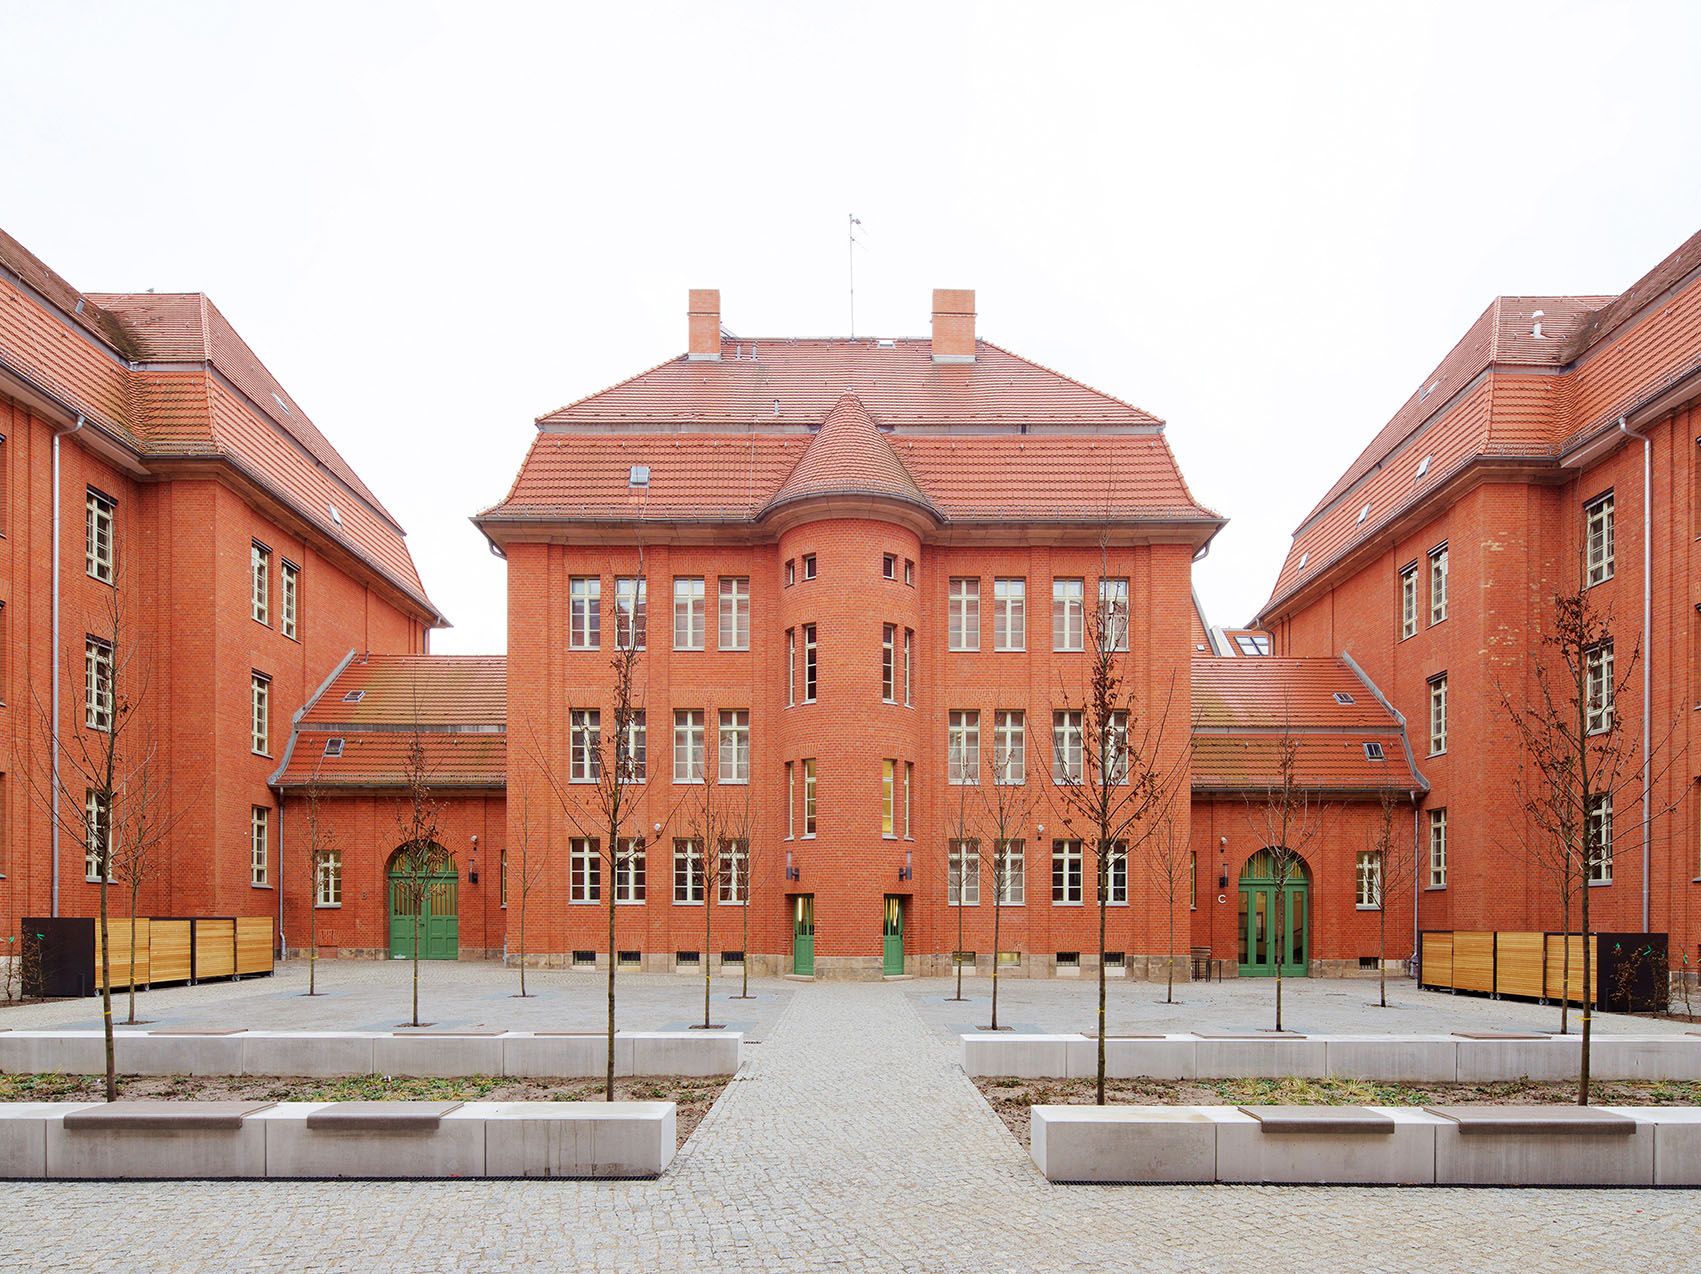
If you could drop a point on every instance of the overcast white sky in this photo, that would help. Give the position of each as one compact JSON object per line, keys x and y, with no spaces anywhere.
{"x":1262,"y":223}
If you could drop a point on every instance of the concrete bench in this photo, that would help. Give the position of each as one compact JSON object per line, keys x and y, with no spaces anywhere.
{"x":129,"y":1140}
{"x":1326,"y":1145}
{"x":1418,"y":1059}
{"x":381,"y":1116}
{"x":1541,"y":1145}
{"x":1132,"y":1056}
{"x":622,"y":1139}
{"x":1124,"y":1143}
{"x":1677,"y":1141}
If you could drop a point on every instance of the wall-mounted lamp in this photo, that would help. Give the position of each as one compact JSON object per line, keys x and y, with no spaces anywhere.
{"x":792,"y":873}
{"x":907,"y":871}
{"x":472,"y":864}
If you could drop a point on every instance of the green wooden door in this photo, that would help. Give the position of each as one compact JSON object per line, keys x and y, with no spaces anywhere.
{"x":894,"y":936}
{"x":1275,"y":921}
{"x":803,"y":935}
{"x":431,"y":895}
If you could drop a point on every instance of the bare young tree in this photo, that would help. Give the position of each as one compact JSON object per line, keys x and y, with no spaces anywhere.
{"x":1007,"y":802}
{"x":1394,"y":876}
{"x":527,"y":879}
{"x":1580,"y":768}
{"x":422,"y":859}
{"x":142,"y":819}
{"x":1287,"y":818}
{"x":1116,"y":767}
{"x":742,"y":874}
{"x":713,"y":865}
{"x":963,"y":848}
{"x":321,"y":844}
{"x":1171,"y":856}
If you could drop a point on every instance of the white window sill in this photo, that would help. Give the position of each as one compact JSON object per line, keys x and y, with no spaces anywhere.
{"x":734,"y":782}
{"x":628,"y":902}
{"x":679,"y":782}
{"x":583,"y":902}
{"x":257,"y":885}
{"x":807,"y":702}
{"x":1056,"y":903}
{"x":678,"y":902}
{"x":888,"y":836}
{"x":722,"y":902}
{"x":1599,"y":884}
{"x":687,"y":650}
{"x":584,"y":650}
{"x":1434,"y":889}
{"x":807,"y":836}
{"x":1365,"y":906}
{"x":327,"y":906}
{"x":732,"y":650}
{"x":1114,"y":903}
{"x":582,"y":782}
{"x":951,"y":903}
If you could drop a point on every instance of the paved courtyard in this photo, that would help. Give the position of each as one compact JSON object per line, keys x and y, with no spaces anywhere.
{"x":851,"y":1141}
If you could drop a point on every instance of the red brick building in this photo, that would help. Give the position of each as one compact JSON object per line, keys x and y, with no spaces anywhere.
{"x":1555,"y":447}
{"x":246,"y":556}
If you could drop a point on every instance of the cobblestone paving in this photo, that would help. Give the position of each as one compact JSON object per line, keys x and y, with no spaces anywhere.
{"x":852,"y":1141}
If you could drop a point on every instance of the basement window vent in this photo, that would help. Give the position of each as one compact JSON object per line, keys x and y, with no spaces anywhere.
{"x":732,"y":957}
{"x":638,"y":476}
{"x":333,"y":747}
{"x":1367,"y":962}
{"x":1363,"y":513}
{"x":1113,"y":959}
{"x":1342,"y":697}
{"x":1423,"y":466}
{"x":354,"y":696}
{"x":687,"y":957}
{"x":1069,"y":959}
{"x":1373,"y":752}
{"x":584,"y":959}
{"x":631,"y":959}
{"x":964,"y":958}
{"x":1008,"y":958}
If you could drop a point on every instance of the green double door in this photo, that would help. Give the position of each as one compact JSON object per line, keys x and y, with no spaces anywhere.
{"x":1275,"y":922}
{"x":893,"y":937}
{"x":803,"y":935}
{"x":433,"y":900}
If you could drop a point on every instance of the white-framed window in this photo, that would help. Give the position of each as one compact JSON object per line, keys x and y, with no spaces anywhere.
{"x":1068,"y":614}
{"x":97,"y":541}
{"x":1438,"y":715}
{"x":1066,"y":765}
{"x":909,"y":667}
{"x":791,"y":800}
{"x":1597,"y":540}
{"x":1438,"y":584}
{"x":1009,"y":747}
{"x":635,"y":764}
{"x":1408,"y":601}
{"x":809,"y":568}
{"x":260,"y":697}
{"x":909,"y":789}
{"x":888,"y":798}
{"x":629,"y":870}
{"x":962,"y":874}
{"x":689,"y":617}
{"x":97,"y":683}
{"x":1599,"y":689}
{"x":810,"y":664}
{"x":584,"y":612}
{"x":735,"y":746}
{"x":1438,"y":849}
{"x":631,"y":613}
{"x":963,"y":738}
{"x":687,"y":871}
{"x":889,"y":566}
{"x":888,"y":663}
{"x":1600,"y":840}
{"x":791,"y":667}
{"x":734,"y":890}
{"x":1368,"y":875}
{"x":1116,"y":875}
{"x":1113,"y":614}
{"x":1012,"y":874}
{"x":97,"y":836}
{"x":584,"y":870}
{"x":909,"y":572}
{"x":690,"y":747}
{"x":1010,"y":614}
{"x":964,"y":614}
{"x":735,"y":612}
{"x":260,"y":572}
{"x":328,"y":879}
{"x":791,"y":571}
{"x":289,"y":613}
{"x":260,"y":847}
{"x":1065,"y":872}
{"x":584,"y":729}
{"x":809,"y":796}
{"x":1115,"y":747}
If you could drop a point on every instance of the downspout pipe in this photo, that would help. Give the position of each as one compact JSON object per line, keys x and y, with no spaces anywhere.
{"x":1647,"y":645}
{"x":53,"y":728}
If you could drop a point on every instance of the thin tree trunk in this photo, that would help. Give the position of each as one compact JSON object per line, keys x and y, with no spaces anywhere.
{"x":1169,"y":989}
{"x":106,"y":974}
{"x":524,"y":890}
{"x":313,"y":930}
{"x":418,"y":909}
{"x":708,"y":940}
{"x":957,"y":956}
{"x":1382,"y":947}
{"x":135,"y":891}
{"x":1588,"y":1000}
{"x":608,"y":1078}
{"x":1276,"y":926}
{"x":1104,"y":884}
{"x":996,"y":916}
{"x":744,"y":988}
{"x":1565,"y":958}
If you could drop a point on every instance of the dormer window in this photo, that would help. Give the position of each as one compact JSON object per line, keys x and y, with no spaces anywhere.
{"x":1373,"y":752}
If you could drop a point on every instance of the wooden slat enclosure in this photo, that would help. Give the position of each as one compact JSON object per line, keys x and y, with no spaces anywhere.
{"x":215,"y":948}
{"x":1559,"y":947}
{"x":170,"y":951}
{"x":1519,"y":964}
{"x":253,"y":944}
{"x":1436,"y":960}
{"x":120,"y":934}
{"x":1473,"y":960}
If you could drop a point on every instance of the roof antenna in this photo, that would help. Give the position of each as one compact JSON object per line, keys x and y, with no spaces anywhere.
{"x":850,"y":253}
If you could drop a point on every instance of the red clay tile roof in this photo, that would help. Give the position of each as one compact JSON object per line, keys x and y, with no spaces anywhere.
{"x":138,"y":367}
{"x":1504,"y":393}
{"x":849,"y":456}
{"x":1243,"y":707}
{"x":374,"y":704}
{"x":796,"y":382}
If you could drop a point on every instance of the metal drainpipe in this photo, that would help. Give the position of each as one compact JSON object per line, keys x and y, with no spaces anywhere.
{"x":1647,"y":642}
{"x":310,"y":884}
{"x":1417,"y":869}
{"x":53,"y":729}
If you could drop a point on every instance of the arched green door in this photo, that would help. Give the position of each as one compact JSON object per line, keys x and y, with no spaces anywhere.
{"x":425,"y":886}
{"x":1275,"y":917}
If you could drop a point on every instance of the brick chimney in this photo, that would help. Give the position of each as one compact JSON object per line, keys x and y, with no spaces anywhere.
{"x":953,"y":325}
{"x":704,"y":309}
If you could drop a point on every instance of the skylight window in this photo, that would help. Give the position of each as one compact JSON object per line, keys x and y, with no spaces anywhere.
{"x":354,"y":696}
{"x":333,"y":747}
{"x":278,"y":399}
{"x":1252,"y":643}
{"x":638,"y":476}
{"x":1304,"y":558}
{"x":335,"y":516}
{"x":1363,"y":514}
{"x":1373,"y":752}
{"x":1342,"y":697}
{"x":1423,"y":466}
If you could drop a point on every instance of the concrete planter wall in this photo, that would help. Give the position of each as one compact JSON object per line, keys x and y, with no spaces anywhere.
{"x":1389,"y":1145}
{"x":219,"y":1140}
{"x":1407,"y":1058}
{"x":328,"y":1054}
